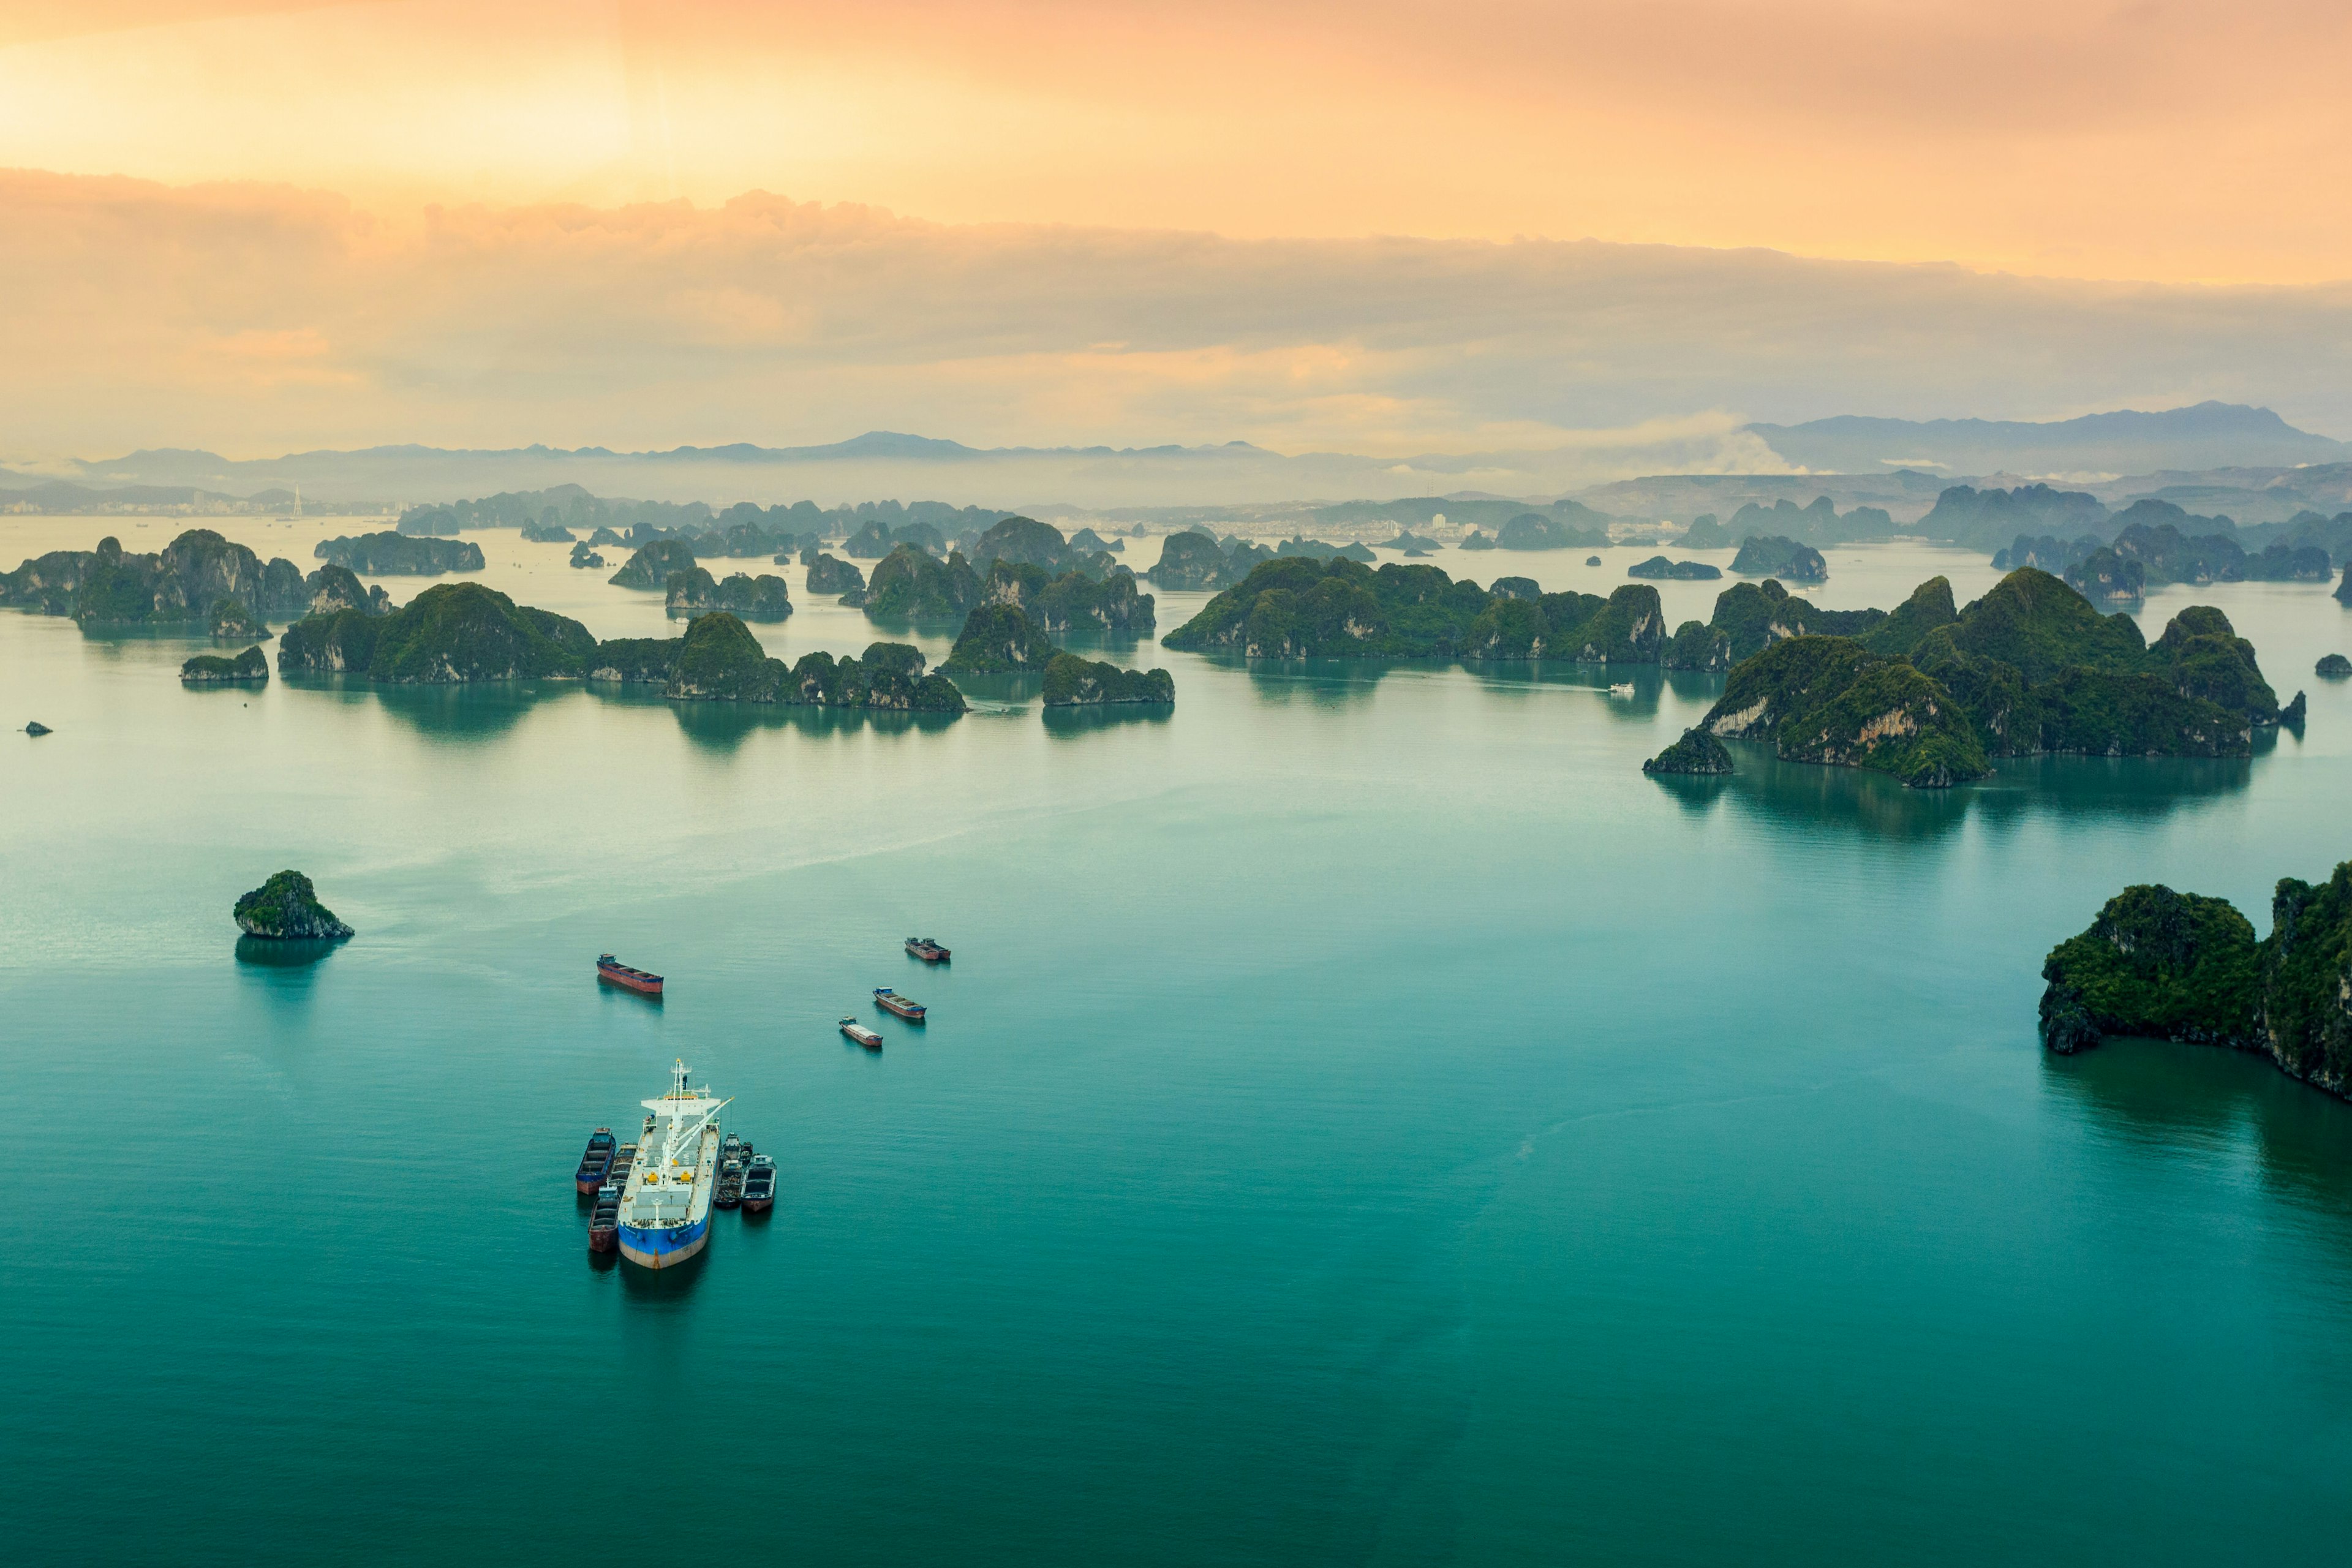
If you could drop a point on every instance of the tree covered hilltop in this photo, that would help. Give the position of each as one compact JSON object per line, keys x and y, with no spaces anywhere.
{"x":1932,"y":695}
{"x":2179,"y":966}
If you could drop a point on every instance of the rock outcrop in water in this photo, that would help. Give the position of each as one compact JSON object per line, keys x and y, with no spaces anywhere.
{"x":1696,"y":752}
{"x":1073,"y":599}
{"x":394,"y":554}
{"x":2333,"y":667}
{"x":762,"y":598}
{"x":909,"y":585}
{"x":251,"y":667}
{"x":1773,"y":556}
{"x":1657,"y":568}
{"x":651,"y":566}
{"x":178,"y":585}
{"x":231,"y":621}
{"x":1190,"y":561}
{"x":453,"y":633}
{"x":1296,"y":608}
{"x":829,"y":574}
{"x":719,"y":659}
{"x":2031,"y":667}
{"x":998,"y":638}
{"x":586,"y":557}
{"x":2181,"y":966}
{"x":333,"y":588}
{"x":287,"y":908}
{"x":1072,"y":682}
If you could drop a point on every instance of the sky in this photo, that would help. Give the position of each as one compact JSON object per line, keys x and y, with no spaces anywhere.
{"x":1380,"y":226}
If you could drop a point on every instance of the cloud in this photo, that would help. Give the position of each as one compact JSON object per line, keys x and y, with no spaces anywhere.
{"x":257,"y":319}
{"x":2197,"y":139}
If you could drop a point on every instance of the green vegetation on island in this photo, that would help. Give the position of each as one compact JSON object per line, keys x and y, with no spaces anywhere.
{"x":287,"y":908}
{"x":1112,"y":603}
{"x":1696,"y":752}
{"x":998,"y":637}
{"x":719,"y":659}
{"x":451,"y":633}
{"x":642,"y":660}
{"x":652,"y":564}
{"x":2332,"y":667}
{"x":177,"y":585}
{"x":333,"y":588}
{"x":1658,"y":568}
{"x":1930,"y":695}
{"x":230,"y":621}
{"x":391,"y":555}
{"x":586,"y":557}
{"x":909,"y":585}
{"x":2179,"y":966}
{"x":1296,"y":608}
{"x":1534,"y":530}
{"x":830,"y":575}
{"x":762,"y":598}
{"x":1772,"y":555}
{"x":1072,"y":681}
{"x":1190,"y":561}
{"x":213,"y":670}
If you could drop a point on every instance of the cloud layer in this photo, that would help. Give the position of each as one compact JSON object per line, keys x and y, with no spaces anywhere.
{"x":257,"y":319}
{"x":2190,"y":138}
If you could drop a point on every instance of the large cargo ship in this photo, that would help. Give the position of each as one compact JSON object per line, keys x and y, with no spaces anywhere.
{"x":665,"y":1207}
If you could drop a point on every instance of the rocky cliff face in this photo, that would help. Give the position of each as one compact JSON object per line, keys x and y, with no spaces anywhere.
{"x":2181,"y":966}
{"x":1696,"y":752}
{"x":178,"y":585}
{"x":999,"y":637}
{"x":396,"y":554}
{"x":910,"y":586}
{"x":251,"y":667}
{"x":651,"y":566}
{"x":827,"y":574}
{"x":1072,"y":681}
{"x":1190,"y":561}
{"x":287,"y":908}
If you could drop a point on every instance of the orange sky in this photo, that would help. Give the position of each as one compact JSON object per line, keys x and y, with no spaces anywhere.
{"x":1366,"y":226}
{"x":2187,"y":139}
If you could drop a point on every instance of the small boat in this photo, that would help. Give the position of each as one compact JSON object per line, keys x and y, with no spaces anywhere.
{"x":729,"y":1191}
{"x":861,"y":1034}
{"x":624,"y":1160}
{"x":732,"y":1148}
{"x":905,"y":1006}
{"x":595,"y":1162}
{"x":604,"y":1225}
{"x":759,"y":1186}
{"x":1624,"y":689}
{"x":927,"y":949}
{"x":613,"y":972}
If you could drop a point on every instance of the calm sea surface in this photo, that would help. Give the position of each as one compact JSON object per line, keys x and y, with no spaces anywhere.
{"x":1366,"y":1120}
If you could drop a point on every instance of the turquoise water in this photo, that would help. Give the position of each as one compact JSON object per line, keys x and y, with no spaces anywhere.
{"x":1366,"y":1120}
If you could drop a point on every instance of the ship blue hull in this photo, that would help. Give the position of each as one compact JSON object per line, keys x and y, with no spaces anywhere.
{"x":664,"y":1248}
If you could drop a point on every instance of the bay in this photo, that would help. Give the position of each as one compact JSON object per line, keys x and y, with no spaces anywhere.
{"x":1366,"y":1120}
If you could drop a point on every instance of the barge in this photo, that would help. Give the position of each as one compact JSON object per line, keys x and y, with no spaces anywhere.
{"x":613,"y":972}
{"x":907,"y":1007}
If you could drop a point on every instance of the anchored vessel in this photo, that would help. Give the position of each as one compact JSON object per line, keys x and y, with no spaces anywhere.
{"x":927,"y":949}
{"x":861,"y":1034}
{"x":613,"y":972}
{"x":596,"y":1163}
{"x":907,"y":1007}
{"x":665,"y":1215}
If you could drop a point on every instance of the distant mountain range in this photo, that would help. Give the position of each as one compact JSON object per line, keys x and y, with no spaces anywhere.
{"x":2208,"y":435}
{"x":2214,"y":453}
